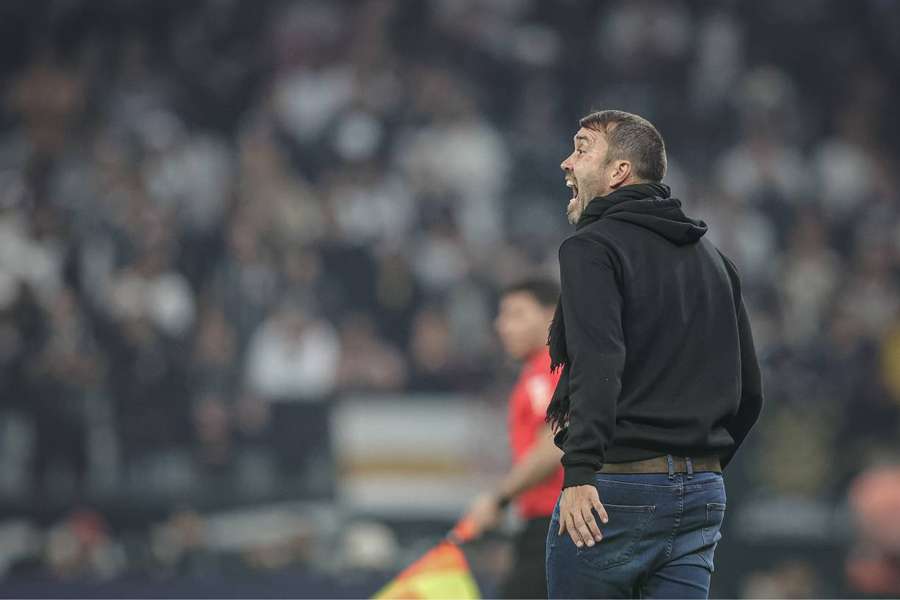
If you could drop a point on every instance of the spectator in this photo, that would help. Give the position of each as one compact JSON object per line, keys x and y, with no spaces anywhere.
{"x":367,"y":362}
{"x":215,"y":353}
{"x":65,"y":373}
{"x":293,"y":356}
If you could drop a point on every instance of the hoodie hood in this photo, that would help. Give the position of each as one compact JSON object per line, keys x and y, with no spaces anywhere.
{"x":650,"y":206}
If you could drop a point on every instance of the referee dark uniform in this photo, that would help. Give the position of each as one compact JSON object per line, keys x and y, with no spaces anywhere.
{"x":660,"y":382}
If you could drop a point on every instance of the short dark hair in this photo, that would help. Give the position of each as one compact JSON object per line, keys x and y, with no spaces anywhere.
{"x":545,"y":291}
{"x":631,"y":138}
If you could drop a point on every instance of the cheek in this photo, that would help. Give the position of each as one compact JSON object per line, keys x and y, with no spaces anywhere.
{"x":586,"y":166}
{"x":592,"y":172}
{"x":518,"y":335}
{"x":585,"y":178}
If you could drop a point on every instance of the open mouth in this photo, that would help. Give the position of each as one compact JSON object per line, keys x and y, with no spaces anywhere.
{"x":570,"y":183}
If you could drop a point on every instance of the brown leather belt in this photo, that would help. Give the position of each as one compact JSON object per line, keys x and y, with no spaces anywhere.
{"x":660,"y":464}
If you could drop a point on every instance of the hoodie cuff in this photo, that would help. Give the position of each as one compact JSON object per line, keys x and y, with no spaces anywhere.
{"x":579,"y":475}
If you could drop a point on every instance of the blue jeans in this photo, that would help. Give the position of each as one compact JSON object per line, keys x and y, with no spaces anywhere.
{"x":659,"y":541}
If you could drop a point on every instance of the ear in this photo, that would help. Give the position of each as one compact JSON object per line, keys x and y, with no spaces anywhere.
{"x":621,"y":172}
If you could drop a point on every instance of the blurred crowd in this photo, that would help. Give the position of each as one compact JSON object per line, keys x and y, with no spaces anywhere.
{"x":218,"y":217}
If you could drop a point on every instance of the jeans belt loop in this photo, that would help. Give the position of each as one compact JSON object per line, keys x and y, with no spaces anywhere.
{"x":671,"y":466}
{"x":690,"y":467}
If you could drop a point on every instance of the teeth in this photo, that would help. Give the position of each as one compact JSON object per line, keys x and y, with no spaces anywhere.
{"x":570,"y":184}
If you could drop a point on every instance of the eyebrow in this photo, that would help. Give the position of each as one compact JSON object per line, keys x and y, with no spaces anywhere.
{"x":581,"y":138}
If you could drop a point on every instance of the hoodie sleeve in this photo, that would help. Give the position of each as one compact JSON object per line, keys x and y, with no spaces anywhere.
{"x":751,"y":402}
{"x":592,"y":310}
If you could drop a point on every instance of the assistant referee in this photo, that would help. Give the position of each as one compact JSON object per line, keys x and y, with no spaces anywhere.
{"x":534,"y":481}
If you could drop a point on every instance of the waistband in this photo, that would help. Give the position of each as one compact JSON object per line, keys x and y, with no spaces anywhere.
{"x":666,"y":464}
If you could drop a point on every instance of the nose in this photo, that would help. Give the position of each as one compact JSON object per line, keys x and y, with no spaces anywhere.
{"x":565,"y":165}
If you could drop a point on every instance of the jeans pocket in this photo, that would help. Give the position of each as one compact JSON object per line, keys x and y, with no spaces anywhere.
{"x":620,"y":536}
{"x":715,"y":515}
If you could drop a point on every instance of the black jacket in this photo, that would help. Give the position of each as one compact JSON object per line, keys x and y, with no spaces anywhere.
{"x":660,"y":357}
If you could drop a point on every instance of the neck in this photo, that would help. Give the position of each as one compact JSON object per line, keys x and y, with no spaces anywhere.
{"x":597,"y":206}
{"x":626,"y":183}
{"x":644,"y":188}
{"x":542,"y":347}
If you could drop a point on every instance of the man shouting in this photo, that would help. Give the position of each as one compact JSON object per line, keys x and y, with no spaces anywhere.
{"x":659,"y":384}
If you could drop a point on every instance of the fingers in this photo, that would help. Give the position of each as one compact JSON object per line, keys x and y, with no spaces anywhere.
{"x":584,"y":531}
{"x":579,"y":521}
{"x":578,"y":530}
{"x":598,"y":506}
{"x":570,"y":529}
{"x":593,"y":529}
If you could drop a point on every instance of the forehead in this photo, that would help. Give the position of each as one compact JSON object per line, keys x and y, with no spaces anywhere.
{"x":587,"y":136}
{"x":519,"y":299}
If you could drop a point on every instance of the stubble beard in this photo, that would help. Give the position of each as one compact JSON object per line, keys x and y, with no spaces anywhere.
{"x":574,"y":209}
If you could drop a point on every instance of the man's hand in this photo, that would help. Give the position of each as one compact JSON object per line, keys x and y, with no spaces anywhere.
{"x":485,"y":513}
{"x":575,"y":514}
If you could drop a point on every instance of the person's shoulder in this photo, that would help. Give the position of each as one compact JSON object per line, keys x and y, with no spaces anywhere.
{"x":730,"y":268}
{"x":591,"y":239}
{"x":539,"y":362}
{"x":591,"y":234}
{"x":728,"y":262}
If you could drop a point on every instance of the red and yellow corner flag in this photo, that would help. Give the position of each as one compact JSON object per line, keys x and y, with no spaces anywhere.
{"x":443,"y":572}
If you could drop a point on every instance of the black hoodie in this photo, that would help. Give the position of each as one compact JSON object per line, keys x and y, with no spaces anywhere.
{"x":656,"y":344}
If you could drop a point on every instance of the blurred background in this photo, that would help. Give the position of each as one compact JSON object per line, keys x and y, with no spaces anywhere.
{"x":250,"y":254}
